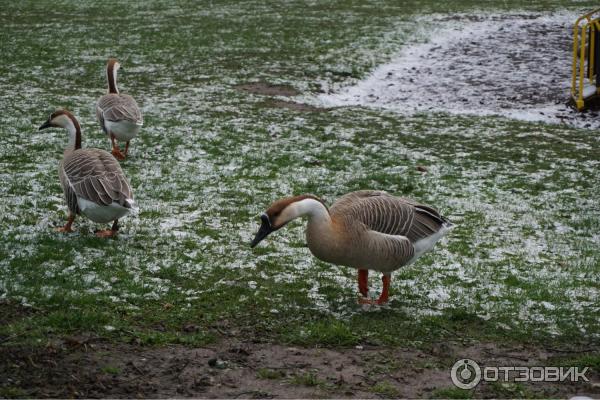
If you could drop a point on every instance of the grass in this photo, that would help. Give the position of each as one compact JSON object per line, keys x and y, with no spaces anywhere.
{"x":385,"y":389}
{"x":521,"y":265}
{"x":268,"y":373}
{"x":306,"y":379}
{"x":592,"y":361}
{"x":111,"y":370}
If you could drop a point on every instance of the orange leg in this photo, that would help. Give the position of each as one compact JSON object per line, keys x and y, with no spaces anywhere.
{"x":115,"y":148}
{"x":126,"y":148}
{"x":67,"y":227}
{"x":386,"y":279}
{"x":109,"y":232}
{"x":384,"y":293}
{"x":363,"y":282}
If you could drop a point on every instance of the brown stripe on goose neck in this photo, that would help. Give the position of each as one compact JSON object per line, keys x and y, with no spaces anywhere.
{"x":75,"y":123}
{"x":278,"y":206}
{"x":110,"y":76}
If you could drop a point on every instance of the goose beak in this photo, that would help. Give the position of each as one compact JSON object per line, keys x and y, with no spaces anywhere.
{"x":264,"y":230}
{"x":45,"y":125}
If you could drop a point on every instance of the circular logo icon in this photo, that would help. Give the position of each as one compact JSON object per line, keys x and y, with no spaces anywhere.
{"x":465,"y":374}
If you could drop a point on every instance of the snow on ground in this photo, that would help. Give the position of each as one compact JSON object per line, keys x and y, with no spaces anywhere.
{"x":199,"y":208}
{"x":517,"y":66}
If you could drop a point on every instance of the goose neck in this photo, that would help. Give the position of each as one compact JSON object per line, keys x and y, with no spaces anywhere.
{"x":111,"y":76}
{"x":314,"y":210}
{"x":74,"y":130}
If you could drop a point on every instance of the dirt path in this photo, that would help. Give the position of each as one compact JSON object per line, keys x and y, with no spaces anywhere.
{"x":87,"y":367}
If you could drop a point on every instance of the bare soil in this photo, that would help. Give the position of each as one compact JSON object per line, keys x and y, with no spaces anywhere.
{"x":267,"y":89}
{"x":91,"y":367}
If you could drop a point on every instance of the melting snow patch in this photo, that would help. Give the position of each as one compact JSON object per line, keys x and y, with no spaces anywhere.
{"x":517,"y":66}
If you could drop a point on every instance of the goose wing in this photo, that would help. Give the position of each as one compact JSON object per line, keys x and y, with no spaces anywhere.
{"x":68,"y":190}
{"x":94,"y":175}
{"x":118,"y":107}
{"x":385,"y":214}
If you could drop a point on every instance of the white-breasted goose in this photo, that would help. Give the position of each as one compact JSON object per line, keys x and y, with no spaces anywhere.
{"x":365,"y":230}
{"x":92,"y":179}
{"x":118,"y":114}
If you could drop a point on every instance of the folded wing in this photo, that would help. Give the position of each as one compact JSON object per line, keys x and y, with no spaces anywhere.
{"x":389,"y":215}
{"x":118,"y":107}
{"x":94,"y":175}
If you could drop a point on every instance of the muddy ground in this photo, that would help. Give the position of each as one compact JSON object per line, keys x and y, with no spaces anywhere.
{"x":92,"y":367}
{"x":274,"y":91}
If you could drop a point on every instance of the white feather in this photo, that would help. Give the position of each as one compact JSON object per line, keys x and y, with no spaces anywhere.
{"x":100,"y":213}
{"x":123,"y":130}
{"x":424,"y":245}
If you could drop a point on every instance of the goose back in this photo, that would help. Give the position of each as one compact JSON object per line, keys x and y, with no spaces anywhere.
{"x":375,"y":230}
{"x":381,"y":212}
{"x":93,"y":175}
{"x":118,"y":107}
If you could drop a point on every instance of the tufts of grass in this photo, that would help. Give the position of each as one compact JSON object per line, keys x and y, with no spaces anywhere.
{"x":112,"y":370}
{"x":268,"y":373}
{"x":386,"y":390}
{"x":328,"y":333}
{"x":307,"y":379}
{"x":592,"y":361}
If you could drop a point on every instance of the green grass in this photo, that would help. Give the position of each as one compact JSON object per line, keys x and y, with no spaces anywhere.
{"x":328,"y":333}
{"x":592,"y":361}
{"x":306,"y":379}
{"x":109,"y":369}
{"x":385,"y":389}
{"x":210,"y":159}
{"x":267,"y":373}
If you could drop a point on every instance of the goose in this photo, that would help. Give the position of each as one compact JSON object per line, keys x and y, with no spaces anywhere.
{"x":366,"y":230}
{"x":92,"y":180}
{"x":118,"y":114}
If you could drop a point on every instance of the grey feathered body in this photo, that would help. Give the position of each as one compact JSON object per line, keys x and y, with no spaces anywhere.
{"x":119,"y":114}
{"x":96,"y":176}
{"x":375,"y":230}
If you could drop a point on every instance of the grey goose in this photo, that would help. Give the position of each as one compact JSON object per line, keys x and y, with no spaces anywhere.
{"x":366,"y":230}
{"x":92,"y":180}
{"x":118,"y":113}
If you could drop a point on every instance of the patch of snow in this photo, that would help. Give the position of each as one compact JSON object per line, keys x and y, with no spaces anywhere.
{"x":516,"y":66}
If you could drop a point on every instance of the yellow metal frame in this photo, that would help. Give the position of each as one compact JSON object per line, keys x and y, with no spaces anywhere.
{"x":580,"y":44}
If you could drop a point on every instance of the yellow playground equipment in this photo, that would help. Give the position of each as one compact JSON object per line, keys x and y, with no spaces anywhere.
{"x":585,"y":81}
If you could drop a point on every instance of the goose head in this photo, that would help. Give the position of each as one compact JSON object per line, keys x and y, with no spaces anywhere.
{"x":59,"y":119}
{"x":283,"y":211}
{"x":64,"y":119}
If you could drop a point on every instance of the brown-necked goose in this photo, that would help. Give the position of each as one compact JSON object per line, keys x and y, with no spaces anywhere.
{"x":92,"y":180}
{"x":365,"y":230}
{"x":118,"y":114}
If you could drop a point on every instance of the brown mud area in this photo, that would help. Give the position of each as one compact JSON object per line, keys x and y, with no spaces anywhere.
{"x":267,"y":89}
{"x":92,"y":367}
